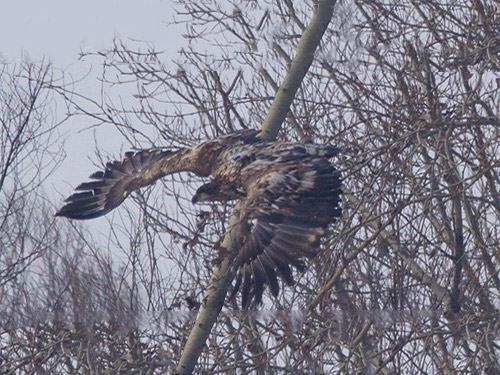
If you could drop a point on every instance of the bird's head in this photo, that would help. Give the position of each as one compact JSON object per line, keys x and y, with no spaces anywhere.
{"x":205,"y":193}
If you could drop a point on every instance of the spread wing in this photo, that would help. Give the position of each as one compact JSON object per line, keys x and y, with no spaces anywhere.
{"x":281,"y":223}
{"x":110,"y":187}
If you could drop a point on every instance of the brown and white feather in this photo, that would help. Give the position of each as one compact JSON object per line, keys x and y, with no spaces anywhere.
{"x":289,"y":194}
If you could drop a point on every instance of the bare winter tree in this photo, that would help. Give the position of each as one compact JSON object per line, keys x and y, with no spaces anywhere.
{"x":56,"y":285}
{"x":26,"y":157}
{"x":407,"y":282}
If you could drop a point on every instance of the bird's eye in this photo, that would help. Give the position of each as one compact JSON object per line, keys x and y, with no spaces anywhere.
{"x":237,"y":157}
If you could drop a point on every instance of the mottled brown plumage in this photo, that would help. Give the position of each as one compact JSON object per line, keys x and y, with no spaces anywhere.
{"x":289,"y":194}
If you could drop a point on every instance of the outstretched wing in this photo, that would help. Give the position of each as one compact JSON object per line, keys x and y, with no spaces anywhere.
{"x":281,"y":223}
{"x":111,"y":186}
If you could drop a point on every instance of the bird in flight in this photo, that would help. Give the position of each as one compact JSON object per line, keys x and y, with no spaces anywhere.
{"x":289,"y":193}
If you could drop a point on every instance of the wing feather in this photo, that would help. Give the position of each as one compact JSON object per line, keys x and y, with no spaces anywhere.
{"x":282,"y":221}
{"x":247,"y":284}
{"x":113,"y":185}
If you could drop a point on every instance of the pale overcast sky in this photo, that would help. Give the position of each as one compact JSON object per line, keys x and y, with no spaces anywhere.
{"x":57,"y":30}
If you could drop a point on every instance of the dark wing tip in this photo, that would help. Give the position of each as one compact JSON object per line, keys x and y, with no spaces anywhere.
{"x":85,"y":205}
{"x":72,"y":211}
{"x":270,"y":250}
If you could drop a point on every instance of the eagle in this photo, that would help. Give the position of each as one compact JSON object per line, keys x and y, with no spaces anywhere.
{"x":289,"y":193}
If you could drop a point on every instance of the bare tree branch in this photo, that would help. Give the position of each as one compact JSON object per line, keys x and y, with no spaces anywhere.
{"x":216,"y":293}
